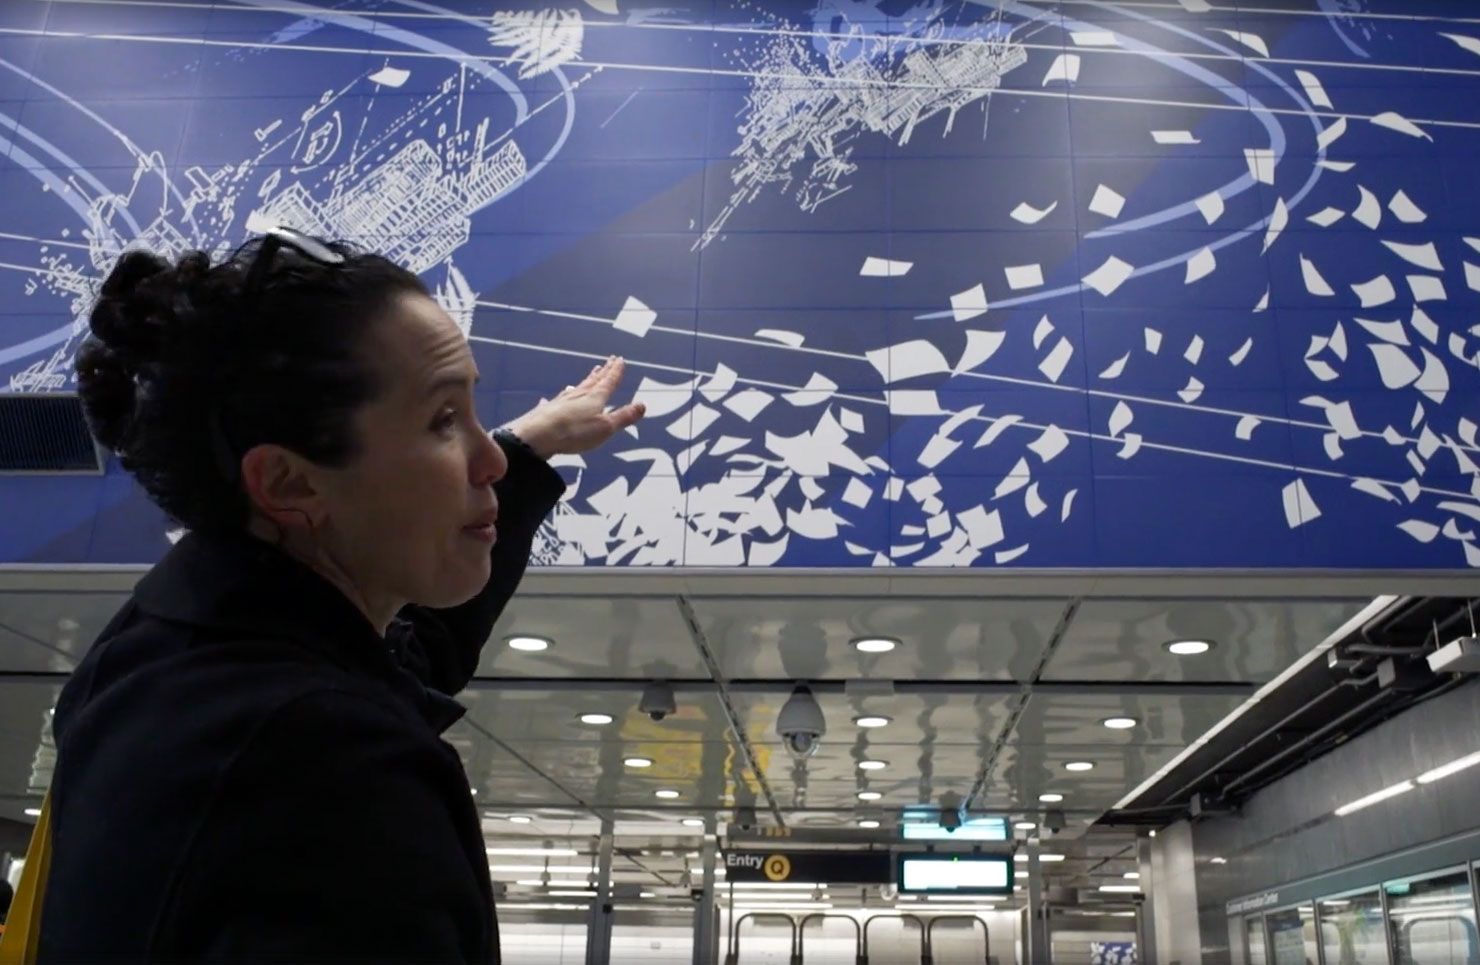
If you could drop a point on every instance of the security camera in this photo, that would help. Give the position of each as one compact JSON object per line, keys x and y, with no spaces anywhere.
{"x":801,"y":724}
{"x":746,"y":818}
{"x":658,"y":701}
{"x":950,"y":811}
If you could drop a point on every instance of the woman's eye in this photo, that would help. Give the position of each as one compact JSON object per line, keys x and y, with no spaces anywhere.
{"x":445,"y":421}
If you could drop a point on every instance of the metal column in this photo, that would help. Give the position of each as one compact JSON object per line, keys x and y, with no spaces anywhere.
{"x":1037,"y":937}
{"x":599,"y":920}
{"x":706,"y":913}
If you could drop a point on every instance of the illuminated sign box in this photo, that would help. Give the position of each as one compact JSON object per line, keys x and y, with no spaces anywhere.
{"x":976,"y":829}
{"x":954,"y":874}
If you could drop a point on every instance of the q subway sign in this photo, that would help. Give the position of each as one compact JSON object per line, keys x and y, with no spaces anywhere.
{"x":822,"y":867}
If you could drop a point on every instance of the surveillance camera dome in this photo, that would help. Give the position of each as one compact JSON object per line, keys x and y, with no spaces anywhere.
{"x":801,"y":724}
{"x":746,"y":818}
{"x":950,"y":811}
{"x":658,"y":700}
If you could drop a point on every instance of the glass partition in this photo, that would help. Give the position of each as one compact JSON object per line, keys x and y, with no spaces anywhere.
{"x":1352,"y":930}
{"x":1292,"y":936}
{"x":1254,"y":932}
{"x":1431,"y":921}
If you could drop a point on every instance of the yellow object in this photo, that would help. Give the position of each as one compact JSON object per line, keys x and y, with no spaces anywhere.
{"x":22,"y":932}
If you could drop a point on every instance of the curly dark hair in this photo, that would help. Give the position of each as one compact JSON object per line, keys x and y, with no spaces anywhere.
{"x":177,"y":348}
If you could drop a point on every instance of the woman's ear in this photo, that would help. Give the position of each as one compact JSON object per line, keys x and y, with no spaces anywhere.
{"x":281,"y":487}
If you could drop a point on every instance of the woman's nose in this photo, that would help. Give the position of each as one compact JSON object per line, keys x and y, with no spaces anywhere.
{"x":489,"y":464}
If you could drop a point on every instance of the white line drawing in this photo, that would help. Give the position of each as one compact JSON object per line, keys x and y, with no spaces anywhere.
{"x":542,"y":39}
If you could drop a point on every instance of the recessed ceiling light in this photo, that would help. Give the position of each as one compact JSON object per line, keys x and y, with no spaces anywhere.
{"x":1189,"y":648}
{"x":1025,"y":825}
{"x":1218,"y":861}
{"x":638,"y":762}
{"x":529,"y":644}
{"x":869,"y":795}
{"x":666,"y":795}
{"x":873,"y":720}
{"x":33,"y":812}
{"x":596,"y":720}
{"x":1050,"y":798}
{"x":520,"y":819}
{"x":1079,"y":766}
{"x":1132,"y":875}
{"x":692,"y":822}
{"x":875,"y":644}
{"x":872,"y":765}
{"x":868,"y":824}
{"x":1119,"y":723}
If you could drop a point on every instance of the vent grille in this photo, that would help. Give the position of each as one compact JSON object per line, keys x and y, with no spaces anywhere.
{"x":46,"y":433}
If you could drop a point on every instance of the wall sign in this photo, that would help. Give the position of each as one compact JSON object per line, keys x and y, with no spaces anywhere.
{"x":822,"y":867}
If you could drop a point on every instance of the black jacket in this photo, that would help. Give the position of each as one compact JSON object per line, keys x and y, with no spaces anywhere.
{"x":248,"y":772}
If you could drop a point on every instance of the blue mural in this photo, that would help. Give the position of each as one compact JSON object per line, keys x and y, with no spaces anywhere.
{"x":914,"y":283}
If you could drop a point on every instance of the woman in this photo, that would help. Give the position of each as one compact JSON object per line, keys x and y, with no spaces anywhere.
{"x":250,"y":763}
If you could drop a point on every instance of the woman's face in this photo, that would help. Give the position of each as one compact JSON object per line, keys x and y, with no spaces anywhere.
{"x":399,"y":515}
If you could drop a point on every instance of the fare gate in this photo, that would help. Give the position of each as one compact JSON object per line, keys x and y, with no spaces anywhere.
{"x":778,"y":939}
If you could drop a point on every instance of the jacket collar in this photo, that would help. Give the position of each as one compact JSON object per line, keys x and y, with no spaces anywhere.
{"x":247,"y":588}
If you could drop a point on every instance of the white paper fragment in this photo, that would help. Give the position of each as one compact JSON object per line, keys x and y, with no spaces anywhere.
{"x":1418,"y":415}
{"x":1107,"y":202}
{"x":1261,"y":161}
{"x":850,"y":420}
{"x":662,"y":398}
{"x":1019,"y":477}
{"x":719,"y":384}
{"x":1467,"y":432}
{"x":1422,"y":531}
{"x":884,"y":268}
{"x":785,"y":338}
{"x":1113,"y":370}
{"x":1314,"y":282}
{"x":748,"y":403}
{"x":1378,"y":291}
{"x":1120,"y":417}
{"x":1067,"y":505}
{"x":1023,"y":276}
{"x":390,"y":77}
{"x":810,"y":488}
{"x":635,"y":318}
{"x":1415,"y":462}
{"x":1007,"y":556}
{"x":1194,"y":350}
{"x":1411,"y":490}
{"x":1253,"y":41}
{"x":1472,"y":276}
{"x":1428,"y":443}
{"x":1343,"y":420}
{"x":1050,"y":444}
{"x":1467,"y":43}
{"x":1263,"y":305}
{"x":1237,"y":358}
{"x":1065,"y":67}
{"x":725,"y":445}
{"x":1340,"y":167}
{"x":1027,"y":214}
{"x":1424,"y":256}
{"x":857,"y":493}
{"x":855,"y":550}
{"x":1452,"y":531}
{"x":983,"y":528}
{"x":980,"y":346}
{"x":1174,"y":137}
{"x":1369,"y":211}
{"x":1300,"y":508}
{"x":1394,"y":366}
{"x":969,"y":304}
{"x":1033,"y":502}
{"x":1109,"y":276}
{"x":1332,"y":443}
{"x":1192,"y":392}
{"x":999,"y":425}
{"x":1053,"y":365}
{"x":1096,"y":38}
{"x":1424,"y":325}
{"x":1130,"y":445}
{"x":938,"y":525}
{"x":1152,"y":340}
{"x":1246,"y":426}
{"x":937,"y":450}
{"x":1394,"y":121}
{"x":1427,"y":288}
{"x":1313,"y":89}
{"x":924,"y":488}
{"x":1200,"y":266}
{"x":1405,"y":210}
{"x":1473,"y":243}
{"x":1329,"y":136}
{"x":1211,"y":206}
{"x":1279,"y":220}
{"x":907,"y":360}
{"x":893,"y":489}
{"x":1390,"y":332}
{"x":1337,"y":341}
{"x":959,"y":419}
{"x":1373,"y":488}
{"x":1196,"y":6}
{"x":1434,"y":382}
{"x":1041,"y":331}
{"x":1326,"y":217}
{"x":913,"y":402}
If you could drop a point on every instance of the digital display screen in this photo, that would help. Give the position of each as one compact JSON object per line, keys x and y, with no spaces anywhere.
{"x":976,"y":829}
{"x":968,"y":874}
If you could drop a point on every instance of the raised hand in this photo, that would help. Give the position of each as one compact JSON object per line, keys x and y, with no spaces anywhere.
{"x":578,"y":419}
